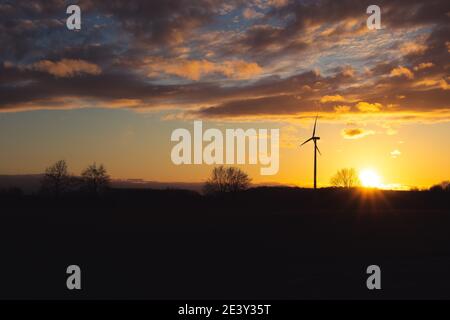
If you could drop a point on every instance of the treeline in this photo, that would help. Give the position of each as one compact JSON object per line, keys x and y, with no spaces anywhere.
{"x":441,"y":187}
{"x":57,"y":180}
{"x":94,"y":180}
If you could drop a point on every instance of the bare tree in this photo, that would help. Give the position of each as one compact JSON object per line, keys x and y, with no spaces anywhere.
{"x":224,"y":179}
{"x":346,"y":178}
{"x":56,"y":179}
{"x":95,"y":179}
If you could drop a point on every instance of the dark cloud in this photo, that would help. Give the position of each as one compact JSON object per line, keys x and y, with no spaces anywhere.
{"x":345,"y":17}
{"x":155,"y":23}
{"x":24,"y":23}
{"x":285,"y":104}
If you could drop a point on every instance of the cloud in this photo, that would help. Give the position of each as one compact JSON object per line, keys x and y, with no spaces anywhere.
{"x":356,"y":133}
{"x":433,"y":83}
{"x":66,"y":67}
{"x":190,"y":59}
{"x":368,"y":107}
{"x":124,"y":103}
{"x":423,"y":65}
{"x":342,"y":109}
{"x":402,"y":71}
{"x":335,"y":98}
{"x":348,"y":71}
{"x":271,"y":105}
{"x":413,"y":48}
{"x":240,"y":69}
{"x":8,"y":64}
{"x":395,"y":153}
{"x":250,"y":13}
{"x":196,"y":69}
{"x":278,"y":3}
{"x":161,"y":23}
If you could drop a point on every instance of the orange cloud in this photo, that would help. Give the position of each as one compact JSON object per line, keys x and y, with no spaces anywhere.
{"x":424,"y":65}
{"x":342,"y":109}
{"x":368,"y":107}
{"x":413,"y":48}
{"x":66,"y":67}
{"x":444,"y":85}
{"x":335,"y":98}
{"x":240,"y":69}
{"x":433,"y":83}
{"x":195,"y":69}
{"x":402,"y":71}
{"x":356,"y":133}
{"x":124,"y":103}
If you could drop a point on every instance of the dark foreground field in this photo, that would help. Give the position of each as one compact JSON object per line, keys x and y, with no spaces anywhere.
{"x":276,"y":243}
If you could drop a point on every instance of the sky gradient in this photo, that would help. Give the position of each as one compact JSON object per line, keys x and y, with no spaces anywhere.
{"x":115,"y":90}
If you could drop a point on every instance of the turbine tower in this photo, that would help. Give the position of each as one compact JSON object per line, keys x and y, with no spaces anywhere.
{"x":316,"y":149}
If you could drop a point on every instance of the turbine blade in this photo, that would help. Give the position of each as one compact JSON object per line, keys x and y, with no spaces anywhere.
{"x":318,"y":150}
{"x":314,"y":131}
{"x":306,"y":141}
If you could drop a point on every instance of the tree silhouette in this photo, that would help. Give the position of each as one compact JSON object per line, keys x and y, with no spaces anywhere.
{"x":346,"y":178}
{"x":56,"y":179}
{"x":224,"y":179}
{"x":95,"y":179}
{"x":443,"y":186}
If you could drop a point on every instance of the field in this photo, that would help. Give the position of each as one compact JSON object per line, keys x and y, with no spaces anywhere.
{"x":264,"y":243}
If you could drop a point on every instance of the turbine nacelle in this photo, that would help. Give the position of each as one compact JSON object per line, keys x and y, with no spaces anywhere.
{"x":312,"y":138}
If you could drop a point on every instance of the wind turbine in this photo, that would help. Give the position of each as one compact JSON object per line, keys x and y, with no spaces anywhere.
{"x":316,"y":149}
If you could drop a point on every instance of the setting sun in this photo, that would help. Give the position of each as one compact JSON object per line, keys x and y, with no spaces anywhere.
{"x":370,"y":178}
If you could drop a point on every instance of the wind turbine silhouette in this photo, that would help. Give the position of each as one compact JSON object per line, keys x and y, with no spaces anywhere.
{"x":316,"y":149}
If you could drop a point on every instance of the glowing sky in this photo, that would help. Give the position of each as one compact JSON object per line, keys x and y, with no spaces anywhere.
{"x":114,"y":91}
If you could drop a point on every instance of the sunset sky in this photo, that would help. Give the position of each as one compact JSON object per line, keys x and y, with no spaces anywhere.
{"x":114,"y":91}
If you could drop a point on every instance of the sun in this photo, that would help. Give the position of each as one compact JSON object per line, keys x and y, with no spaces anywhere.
{"x":370,"y":178}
